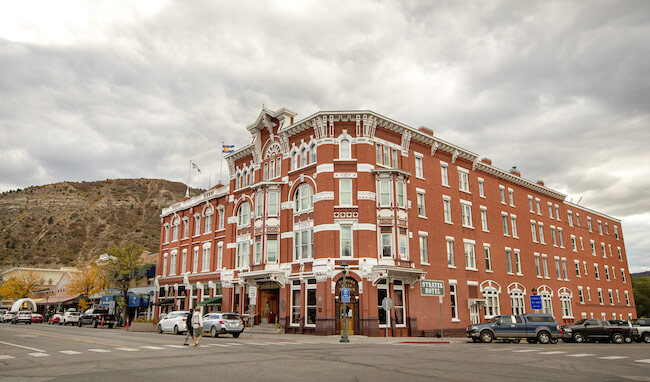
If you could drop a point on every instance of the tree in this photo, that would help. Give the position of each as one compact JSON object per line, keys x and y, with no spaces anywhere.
{"x":122,"y":267}
{"x":21,"y":285}
{"x":89,"y":281}
{"x":641,"y":288}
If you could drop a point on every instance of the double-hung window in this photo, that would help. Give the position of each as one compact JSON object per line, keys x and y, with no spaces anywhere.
{"x":481,"y":188}
{"x":517,"y":262}
{"x":257,"y":255}
{"x":502,"y":194}
{"x":545,"y":264}
{"x":444,"y":173}
{"x":470,"y":256}
{"x":446,"y":209}
{"x":403,"y":244}
{"x":504,"y":220}
{"x":386,"y":242}
{"x":488,"y":257}
{"x":243,"y":254}
{"x":541,"y":233}
{"x":513,"y":222}
{"x":205,"y":261}
{"x":384,"y":192}
{"x":484,"y":222}
{"x":538,"y":268}
{"x":424,"y":251}
{"x":450,"y":252}
{"x":346,"y":240}
{"x":401,"y":197}
{"x":421,"y":207}
{"x":273,"y":203}
{"x":345,"y":192}
{"x":197,"y":225}
{"x":271,"y":248}
{"x":303,"y":244}
{"x":463,"y":180}
{"x":509,"y":260}
{"x":466,"y":213}
{"x":419,"y":170}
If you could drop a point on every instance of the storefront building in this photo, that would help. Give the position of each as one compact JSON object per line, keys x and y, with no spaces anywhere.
{"x":399,"y":206}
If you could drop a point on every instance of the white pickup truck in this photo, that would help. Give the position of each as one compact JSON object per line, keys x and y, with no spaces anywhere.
{"x":643,"y":326}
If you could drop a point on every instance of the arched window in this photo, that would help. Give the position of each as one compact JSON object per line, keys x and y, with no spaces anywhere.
{"x":208,"y":220}
{"x":565,"y":299}
{"x":312,"y":150}
{"x":344,"y":149}
{"x":245,"y":179}
{"x":303,"y":198}
{"x":244,"y":214}
{"x":295,"y":160}
{"x":304,"y":157}
{"x":517,"y":301}
{"x":175,"y":228}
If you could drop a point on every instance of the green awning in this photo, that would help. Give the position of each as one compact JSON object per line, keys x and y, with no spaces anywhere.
{"x":210,"y":301}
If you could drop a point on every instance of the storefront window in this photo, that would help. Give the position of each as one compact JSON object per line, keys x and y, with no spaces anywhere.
{"x":398,"y":303}
{"x":295,"y":303}
{"x":382,"y":292}
{"x":311,"y":303}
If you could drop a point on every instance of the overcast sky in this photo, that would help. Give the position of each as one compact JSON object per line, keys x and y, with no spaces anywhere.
{"x":91,"y":90}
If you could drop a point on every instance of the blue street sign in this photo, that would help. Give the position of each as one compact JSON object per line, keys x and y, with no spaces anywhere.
{"x":345,"y":295}
{"x":535,"y":302}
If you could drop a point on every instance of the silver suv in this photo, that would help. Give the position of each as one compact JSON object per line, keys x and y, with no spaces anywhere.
{"x":223,"y":323}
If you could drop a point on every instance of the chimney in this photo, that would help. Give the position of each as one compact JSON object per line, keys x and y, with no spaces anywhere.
{"x":487,"y":161}
{"x":515,"y":172}
{"x":425,"y":130}
{"x":540,"y":182}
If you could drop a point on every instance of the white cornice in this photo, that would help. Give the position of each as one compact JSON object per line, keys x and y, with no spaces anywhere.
{"x":591,"y":211}
{"x":196,"y":200}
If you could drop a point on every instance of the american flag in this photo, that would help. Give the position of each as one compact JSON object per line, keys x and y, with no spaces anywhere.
{"x":196,"y":167}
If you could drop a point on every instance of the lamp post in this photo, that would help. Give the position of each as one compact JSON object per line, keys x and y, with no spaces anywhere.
{"x":344,"y":334}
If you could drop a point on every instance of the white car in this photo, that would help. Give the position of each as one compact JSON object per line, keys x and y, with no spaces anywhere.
{"x":174,"y":321}
{"x":71,"y":318}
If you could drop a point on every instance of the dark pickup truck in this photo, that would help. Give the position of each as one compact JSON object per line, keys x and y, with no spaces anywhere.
{"x":542,"y":328}
{"x":95,"y":317}
{"x":595,"y":330}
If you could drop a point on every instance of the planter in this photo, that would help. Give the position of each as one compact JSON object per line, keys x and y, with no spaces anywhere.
{"x":143,"y":327}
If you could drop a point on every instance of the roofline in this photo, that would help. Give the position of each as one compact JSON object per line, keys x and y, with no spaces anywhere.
{"x":592,"y":211}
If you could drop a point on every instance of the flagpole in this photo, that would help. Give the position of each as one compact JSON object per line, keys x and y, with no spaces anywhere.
{"x":189,"y":171}
{"x":221,"y":163}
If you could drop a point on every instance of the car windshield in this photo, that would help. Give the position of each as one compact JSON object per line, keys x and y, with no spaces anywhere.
{"x":580,"y":322}
{"x":231,"y":317}
{"x":492,"y":320}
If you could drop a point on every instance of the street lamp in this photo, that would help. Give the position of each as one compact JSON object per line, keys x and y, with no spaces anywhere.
{"x":344,"y":335}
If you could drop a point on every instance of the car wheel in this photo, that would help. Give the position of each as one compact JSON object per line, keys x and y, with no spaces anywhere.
{"x":236,"y":335}
{"x":578,"y":337}
{"x":176,"y":329}
{"x":543,"y":337}
{"x":213,"y":332}
{"x":628,"y":340}
{"x":516,"y":341}
{"x":646,"y":338}
{"x":618,"y":338}
{"x":160,"y":329}
{"x":531,"y":340}
{"x":486,"y":336}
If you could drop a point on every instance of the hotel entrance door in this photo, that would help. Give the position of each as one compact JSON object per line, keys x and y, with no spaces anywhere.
{"x":269,"y":305}
{"x":346,"y":312}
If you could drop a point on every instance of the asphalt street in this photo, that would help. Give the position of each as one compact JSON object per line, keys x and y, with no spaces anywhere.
{"x":54,"y":353}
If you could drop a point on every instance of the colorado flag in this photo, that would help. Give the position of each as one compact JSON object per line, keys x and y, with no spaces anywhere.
{"x":228,"y":148}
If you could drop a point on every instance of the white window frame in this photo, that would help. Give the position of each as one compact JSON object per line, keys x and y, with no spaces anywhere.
{"x":487,"y":257}
{"x":446,"y":209}
{"x":484,"y":222}
{"x":451,"y":260}
{"x":444,"y":174}
{"x":342,"y":240}
{"x":424,"y":250}
{"x":205,"y":258}
{"x":470,"y":254}
{"x":463,"y":180}
{"x":466,"y":214}
{"x":419,"y":166}
{"x":345,"y":188}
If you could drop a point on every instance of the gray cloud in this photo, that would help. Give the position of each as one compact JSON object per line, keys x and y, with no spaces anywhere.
{"x":557,"y":88}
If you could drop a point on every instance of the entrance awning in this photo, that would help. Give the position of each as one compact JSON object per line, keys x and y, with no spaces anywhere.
{"x":276,"y":275}
{"x":210,"y":301}
{"x":59,"y":299}
{"x":410,"y":275}
{"x":478,"y":301}
{"x":168,"y":301}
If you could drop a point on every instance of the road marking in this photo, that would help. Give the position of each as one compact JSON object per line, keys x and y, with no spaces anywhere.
{"x":580,"y":355}
{"x":175,"y":346}
{"x":5,"y":356}
{"x":613,"y":357}
{"x":41,"y":334}
{"x":21,"y":346}
{"x":259,"y":343}
{"x":152,"y":347}
{"x":127,"y":349}
{"x":525,"y":350}
{"x":643,"y":360}
{"x":100,"y":350}
{"x":69,"y":352}
{"x":39,"y":354}
{"x":552,"y":352}
{"x":225,"y":346}
{"x":234,"y":343}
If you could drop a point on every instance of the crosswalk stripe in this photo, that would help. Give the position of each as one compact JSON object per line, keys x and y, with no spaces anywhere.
{"x":580,"y":355}
{"x":69,"y":352}
{"x":4,"y":356}
{"x":498,"y":349}
{"x":613,"y":357}
{"x":259,"y":343}
{"x":234,"y":343}
{"x":221,"y":345}
{"x":525,"y":350}
{"x":127,"y":349}
{"x":643,"y":360}
{"x":152,"y":347}
{"x":99,"y":350}
{"x":175,"y":346}
{"x":39,"y":354}
{"x":553,"y":352}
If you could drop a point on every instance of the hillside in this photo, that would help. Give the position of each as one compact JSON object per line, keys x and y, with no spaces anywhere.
{"x":641,"y":274}
{"x":56,"y":224}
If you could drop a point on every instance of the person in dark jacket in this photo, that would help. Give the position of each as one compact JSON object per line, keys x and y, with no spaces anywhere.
{"x":190,"y":329}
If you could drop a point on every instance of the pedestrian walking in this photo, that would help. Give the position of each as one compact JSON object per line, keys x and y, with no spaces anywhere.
{"x":190,"y":329}
{"x":197,"y":323}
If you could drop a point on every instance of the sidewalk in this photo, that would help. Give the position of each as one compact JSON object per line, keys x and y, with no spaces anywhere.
{"x":354,"y":339}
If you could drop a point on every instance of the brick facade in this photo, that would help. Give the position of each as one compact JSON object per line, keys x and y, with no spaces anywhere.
{"x":361,"y":188}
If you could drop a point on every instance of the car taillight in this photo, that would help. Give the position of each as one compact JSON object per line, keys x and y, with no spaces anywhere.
{"x":184,"y":319}
{"x":221,"y":322}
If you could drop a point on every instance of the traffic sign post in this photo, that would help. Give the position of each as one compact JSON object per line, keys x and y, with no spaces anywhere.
{"x":387,"y":304}
{"x":535,"y":302}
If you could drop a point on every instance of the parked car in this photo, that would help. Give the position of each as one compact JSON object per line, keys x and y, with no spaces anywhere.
{"x":642,"y":325}
{"x":24,"y":316}
{"x":71,"y":318}
{"x":595,"y":330}
{"x":634,"y":333}
{"x":37,"y":318}
{"x":175,"y":321}
{"x":95,"y":317}
{"x":54,"y":319}
{"x":223,"y":323}
{"x":8,"y":316}
{"x":542,"y":328}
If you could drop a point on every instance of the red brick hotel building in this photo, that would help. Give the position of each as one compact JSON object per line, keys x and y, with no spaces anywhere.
{"x":398,"y":205}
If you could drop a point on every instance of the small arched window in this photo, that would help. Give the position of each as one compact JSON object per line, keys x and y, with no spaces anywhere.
{"x":344,"y":148}
{"x":295,"y":160}
{"x":303,"y":198}
{"x":244,"y":214}
{"x":312,"y":150}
